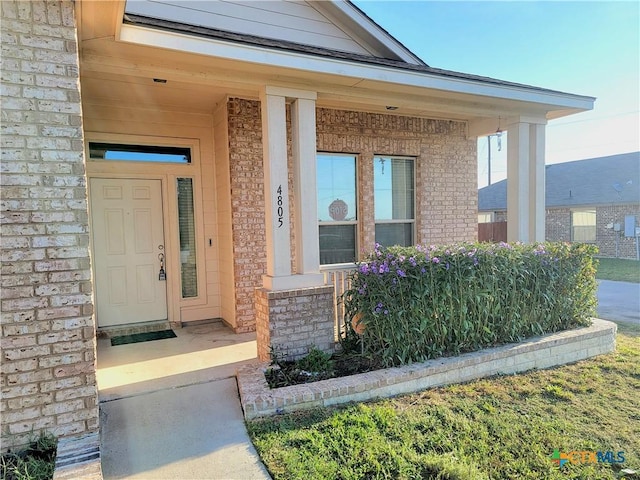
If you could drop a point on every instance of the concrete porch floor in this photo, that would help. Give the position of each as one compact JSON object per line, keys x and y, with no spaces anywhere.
{"x":170,"y":408}
{"x":200,"y":353}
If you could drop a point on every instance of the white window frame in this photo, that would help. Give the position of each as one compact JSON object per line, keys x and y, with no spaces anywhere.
{"x":594,"y":226}
{"x":403,"y":221}
{"x":346,"y":222}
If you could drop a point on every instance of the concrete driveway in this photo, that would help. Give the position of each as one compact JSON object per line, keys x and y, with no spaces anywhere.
{"x":619,"y":301}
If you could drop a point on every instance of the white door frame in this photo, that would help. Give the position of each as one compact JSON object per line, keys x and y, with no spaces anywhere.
{"x":167,"y":174}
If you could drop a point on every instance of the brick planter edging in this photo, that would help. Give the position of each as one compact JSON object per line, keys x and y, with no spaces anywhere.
{"x":551,"y":350}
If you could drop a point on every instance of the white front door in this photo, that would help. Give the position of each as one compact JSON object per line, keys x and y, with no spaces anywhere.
{"x":128,"y":237}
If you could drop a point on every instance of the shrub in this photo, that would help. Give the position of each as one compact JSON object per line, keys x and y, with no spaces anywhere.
{"x":419,"y":302}
{"x":36,"y":462}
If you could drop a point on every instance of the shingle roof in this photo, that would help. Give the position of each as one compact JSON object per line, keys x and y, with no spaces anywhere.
{"x":596,"y":181}
{"x":171,"y":26}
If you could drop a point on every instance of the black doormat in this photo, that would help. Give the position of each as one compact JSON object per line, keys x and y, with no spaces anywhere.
{"x":142,"y":337}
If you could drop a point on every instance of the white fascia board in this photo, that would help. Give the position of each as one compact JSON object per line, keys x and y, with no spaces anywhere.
{"x":373,"y":29}
{"x":358,"y":71}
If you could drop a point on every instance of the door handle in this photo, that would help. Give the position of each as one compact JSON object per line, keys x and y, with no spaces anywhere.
{"x":162,"y":275}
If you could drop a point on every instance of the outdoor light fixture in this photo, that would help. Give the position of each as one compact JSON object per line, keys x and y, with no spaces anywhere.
{"x":498,"y":135}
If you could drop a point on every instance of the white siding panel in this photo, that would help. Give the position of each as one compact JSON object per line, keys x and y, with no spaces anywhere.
{"x":281,"y":20}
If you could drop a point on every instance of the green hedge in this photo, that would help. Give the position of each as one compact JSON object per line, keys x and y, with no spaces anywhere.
{"x":419,"y":302}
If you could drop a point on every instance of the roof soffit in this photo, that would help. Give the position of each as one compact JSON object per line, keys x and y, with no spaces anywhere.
{"x":384,"y":76}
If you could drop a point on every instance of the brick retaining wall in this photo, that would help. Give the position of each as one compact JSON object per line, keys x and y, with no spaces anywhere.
{"x":560,"y":348}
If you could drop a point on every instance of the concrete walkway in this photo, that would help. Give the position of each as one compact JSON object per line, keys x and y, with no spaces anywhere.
{"x":619,"y":301}
{"x":195,"y":431}
{"x":170,"y":408}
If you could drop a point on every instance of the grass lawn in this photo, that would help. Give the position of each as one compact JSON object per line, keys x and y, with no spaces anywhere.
{"x":504,"y":427}
{"x":618,"y":269}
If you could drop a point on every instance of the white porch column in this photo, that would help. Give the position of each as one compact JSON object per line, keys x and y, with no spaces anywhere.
{"x":303,"y":130}
{"x":525,"y":180}
{"x":276,"y":183}
{"x":537,"y":201}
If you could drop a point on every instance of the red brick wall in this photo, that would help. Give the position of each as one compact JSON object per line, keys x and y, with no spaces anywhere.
{"x":606,"y":238}
{"x":558,"y":225}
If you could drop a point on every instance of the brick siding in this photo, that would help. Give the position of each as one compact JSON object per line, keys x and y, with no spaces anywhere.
{"x":293,"y":321}
{"x":558,"y":225}
{"x":558,"y":228}
{"x":446,"y":193}
{"x":606,"y":238}
{"x":48,"y":339}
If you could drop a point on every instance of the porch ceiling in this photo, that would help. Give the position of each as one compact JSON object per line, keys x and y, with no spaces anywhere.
{"x":121,"y":73}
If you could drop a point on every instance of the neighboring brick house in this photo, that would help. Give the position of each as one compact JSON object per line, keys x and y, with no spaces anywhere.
{"x":163,"y":165}
{"x":595,"y":201}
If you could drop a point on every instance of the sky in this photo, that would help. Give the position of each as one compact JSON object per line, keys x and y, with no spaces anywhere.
{"x":588,"y":48}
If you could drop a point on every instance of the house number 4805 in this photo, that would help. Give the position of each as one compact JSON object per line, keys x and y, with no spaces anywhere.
{"x":280,"y":209}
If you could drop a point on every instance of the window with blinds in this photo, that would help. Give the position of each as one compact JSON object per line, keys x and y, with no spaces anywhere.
{"x":394,"y":198}
{"x":187,"y":231}
{"x":583,"y":226}
{"x":337,"y":208}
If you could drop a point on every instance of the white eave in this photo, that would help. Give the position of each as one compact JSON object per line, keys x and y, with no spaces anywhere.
{"x":362,"y":73}
{"x":374,"y":32}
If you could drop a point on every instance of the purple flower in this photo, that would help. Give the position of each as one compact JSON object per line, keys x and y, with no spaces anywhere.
{"x":435,"y":260}
{"x":447,"y":266}
{"x":401,"y":273}
{"x":412,"y":261}
{"x":364,"y":269}
{"x":423,"y":270}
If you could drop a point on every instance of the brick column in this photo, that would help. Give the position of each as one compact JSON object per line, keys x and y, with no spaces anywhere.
{"x":48,"y":331}
{"x":293,"y":321}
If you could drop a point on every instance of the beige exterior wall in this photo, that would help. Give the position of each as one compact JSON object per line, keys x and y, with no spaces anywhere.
{"x":225,"y":221}
{"x":446,"y":198}
{"x":48,"y":339}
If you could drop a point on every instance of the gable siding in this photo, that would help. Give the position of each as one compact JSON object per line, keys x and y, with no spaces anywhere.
{"x":48,"y":336}
{"x":293,"y":21}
